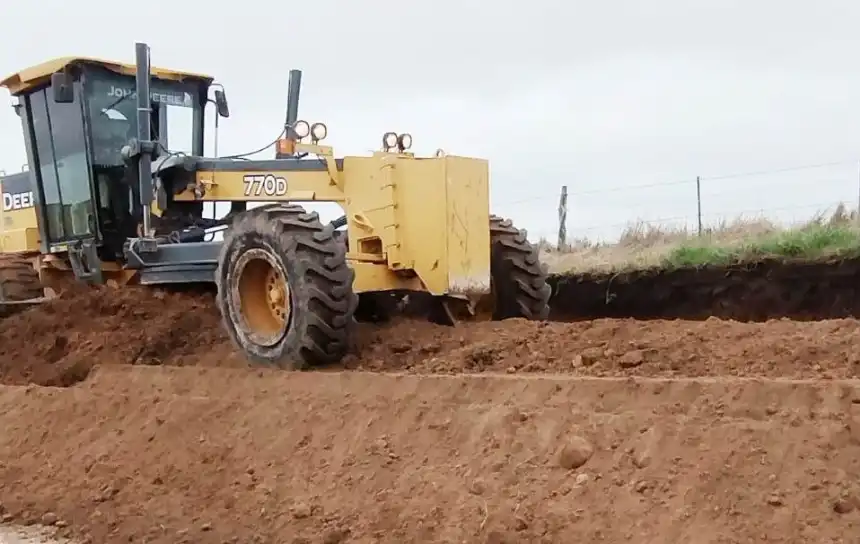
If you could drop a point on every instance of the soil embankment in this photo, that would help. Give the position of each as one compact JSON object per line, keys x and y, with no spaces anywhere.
{"x":612,"y":430}
{"x":168,"y":455}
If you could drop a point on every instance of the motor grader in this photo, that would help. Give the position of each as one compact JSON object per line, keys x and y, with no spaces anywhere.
{"x":111,"y":196}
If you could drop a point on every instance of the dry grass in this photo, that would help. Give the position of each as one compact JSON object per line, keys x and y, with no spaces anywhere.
{"x":742,"y":240}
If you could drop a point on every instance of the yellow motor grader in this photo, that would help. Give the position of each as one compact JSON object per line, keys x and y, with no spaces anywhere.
{"x":109,"y":198}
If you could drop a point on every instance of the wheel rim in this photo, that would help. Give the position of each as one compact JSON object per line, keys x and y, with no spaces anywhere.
{"x":261,"y":297}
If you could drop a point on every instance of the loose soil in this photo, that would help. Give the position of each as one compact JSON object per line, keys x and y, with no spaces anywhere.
{"x":614,"y":430}
{"x":755,"y":291}
{"x":34,"y":534}
{"x":57,"y":343}
{"x":171,"y":455}
{"x":619,"y":348}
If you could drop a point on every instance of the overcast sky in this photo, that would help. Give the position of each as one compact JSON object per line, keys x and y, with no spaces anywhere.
{"x":597,"y":95}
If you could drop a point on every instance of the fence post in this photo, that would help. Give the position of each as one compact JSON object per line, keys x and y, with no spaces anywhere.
{"x":562,"y":219}
{"x":699,"y":202}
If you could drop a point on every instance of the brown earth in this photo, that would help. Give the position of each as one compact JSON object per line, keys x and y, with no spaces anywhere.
{"x":619,"y":348}
{"x":57,"y":343}
{"x":170,"y":455}
{"x":759,"y":291}
{"x":560,"y":434}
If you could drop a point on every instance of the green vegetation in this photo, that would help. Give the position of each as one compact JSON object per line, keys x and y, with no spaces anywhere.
{"x":808,"y":243}
{"x":646,"y":246}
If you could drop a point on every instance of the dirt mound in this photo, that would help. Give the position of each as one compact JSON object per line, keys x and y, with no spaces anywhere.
{"x":826,"y":289}
{"x":218,"y":455}
{"x":57,"y":343}
{"x":619,"y":347}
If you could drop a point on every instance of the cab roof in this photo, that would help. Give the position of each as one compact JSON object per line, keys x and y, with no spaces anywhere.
{"x":35,"y":76}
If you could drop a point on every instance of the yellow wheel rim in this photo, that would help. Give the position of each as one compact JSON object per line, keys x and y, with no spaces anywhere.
{"x":263,"y":296}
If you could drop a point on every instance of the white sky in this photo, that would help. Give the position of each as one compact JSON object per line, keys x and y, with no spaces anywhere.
{"x":597,"y":95}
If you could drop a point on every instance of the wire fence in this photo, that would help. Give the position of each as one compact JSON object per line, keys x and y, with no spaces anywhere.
{"x":782,"y":196}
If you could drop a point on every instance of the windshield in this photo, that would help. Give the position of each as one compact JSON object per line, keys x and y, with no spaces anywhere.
{"x":112,"y":104}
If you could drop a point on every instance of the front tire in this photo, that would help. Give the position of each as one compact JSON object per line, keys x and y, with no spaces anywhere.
{"x":519,"y":281}
{"x":285,"y":288}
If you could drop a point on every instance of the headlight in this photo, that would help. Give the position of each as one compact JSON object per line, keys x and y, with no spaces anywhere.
{"x":389,"y":140}
{"x":404,"y":141}
{"x":302,"y":129}
{"x":319,"y":131}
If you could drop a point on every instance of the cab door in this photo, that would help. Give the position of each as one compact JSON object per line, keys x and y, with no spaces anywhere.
{"x":61,"y":166}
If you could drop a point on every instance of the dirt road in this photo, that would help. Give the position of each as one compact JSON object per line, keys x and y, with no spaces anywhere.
{"x":613,"y":431}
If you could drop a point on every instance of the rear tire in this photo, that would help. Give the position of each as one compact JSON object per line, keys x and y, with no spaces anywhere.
{"x":519,"y":281}
{"x":18,"y":281}
{"x":285,"y":288}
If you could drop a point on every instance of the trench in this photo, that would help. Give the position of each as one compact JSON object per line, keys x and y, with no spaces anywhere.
{"x":752,"y":292}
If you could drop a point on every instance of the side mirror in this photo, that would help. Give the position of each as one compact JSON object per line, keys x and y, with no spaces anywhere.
{"x":62,"y":87}
{"x":221,"y":103}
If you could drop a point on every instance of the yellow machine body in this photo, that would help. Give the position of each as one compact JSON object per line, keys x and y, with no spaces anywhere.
{"x":107,"y":201}
{"x":19,"y":229}
{"x":413,"y":223}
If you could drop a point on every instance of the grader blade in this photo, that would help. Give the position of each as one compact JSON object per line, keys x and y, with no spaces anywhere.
{"x":450,"y":310}
{"x":446,"y":310}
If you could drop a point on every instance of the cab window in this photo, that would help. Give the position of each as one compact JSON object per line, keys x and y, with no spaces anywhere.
{"x":112,"y":107}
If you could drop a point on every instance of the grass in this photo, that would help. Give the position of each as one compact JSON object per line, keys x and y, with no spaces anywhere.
{"x":643,"y":246}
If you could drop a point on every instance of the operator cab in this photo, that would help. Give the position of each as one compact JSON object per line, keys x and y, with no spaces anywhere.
{"x":77,"y":115}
